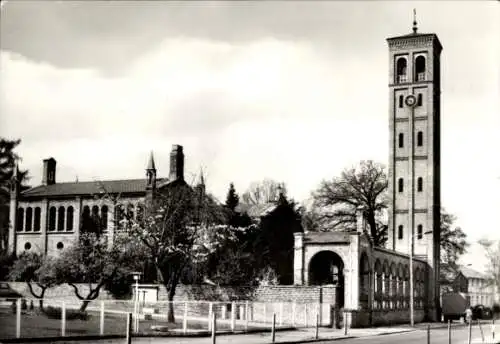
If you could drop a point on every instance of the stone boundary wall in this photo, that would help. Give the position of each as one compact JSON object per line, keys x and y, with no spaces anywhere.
{"x":275,"y":294}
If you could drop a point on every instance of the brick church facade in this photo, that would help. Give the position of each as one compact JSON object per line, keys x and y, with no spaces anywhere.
{"x":375,"y":283}
{"x":49,"y":217}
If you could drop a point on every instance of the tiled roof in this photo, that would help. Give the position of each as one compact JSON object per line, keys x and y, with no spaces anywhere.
{"x":327,"y":237}
{"x":89,"y":188}
{"x":470,"y":273}
{"x":256,"y":210}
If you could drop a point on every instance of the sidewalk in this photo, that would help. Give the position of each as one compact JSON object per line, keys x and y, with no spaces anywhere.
{"x":282,"y":337}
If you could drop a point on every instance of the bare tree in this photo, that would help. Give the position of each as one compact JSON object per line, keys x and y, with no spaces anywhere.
{"x":262,"y":192}
{"x":492,"y":249}
{"x":338,"y":199}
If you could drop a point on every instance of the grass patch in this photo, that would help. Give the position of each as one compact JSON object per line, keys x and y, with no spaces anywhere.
{"x":36,"y":324}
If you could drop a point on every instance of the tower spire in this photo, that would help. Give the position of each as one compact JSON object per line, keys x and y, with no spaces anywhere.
{"x":202,"y":177}
{"x":415,"y":21}
{"x":151,"y":173}
{"x":151,"y":162}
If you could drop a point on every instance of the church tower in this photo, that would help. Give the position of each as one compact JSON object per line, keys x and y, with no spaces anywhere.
{"x":414,"y":153}
{"x":150,"y":179}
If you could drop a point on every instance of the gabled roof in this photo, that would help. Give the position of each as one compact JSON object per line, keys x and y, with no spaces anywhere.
{"x":90,"y":188}
{"x":256,"y":210}
{"x":470,"y":273}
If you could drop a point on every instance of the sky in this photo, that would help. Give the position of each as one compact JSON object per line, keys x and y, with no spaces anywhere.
{"x":289,"y":90}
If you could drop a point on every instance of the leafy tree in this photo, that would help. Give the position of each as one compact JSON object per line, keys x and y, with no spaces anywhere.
{"x":492,"y":250}
{"x":453,"y":241}
{"x":232,"y":198}
{"x":90,"y":261}
{"x":35,"y":269}
{"x":362,"y":186}
{"x":276,"y":242}
{"x":180,"y":229}
{"x":8,"y":161}
{"x":278,"y":219}
{"x":233,"y":262}
{"x":6,"y":263}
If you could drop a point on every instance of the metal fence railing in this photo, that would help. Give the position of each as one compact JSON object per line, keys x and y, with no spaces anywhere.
{"x":28,"y":318}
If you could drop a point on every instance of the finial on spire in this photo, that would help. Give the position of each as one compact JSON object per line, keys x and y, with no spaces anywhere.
{"x":202,"y":177}
{"x":415,"y":21}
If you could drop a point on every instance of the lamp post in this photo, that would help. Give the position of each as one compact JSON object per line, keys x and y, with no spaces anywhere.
{"x":137,"y":276}
{"x":412,"y":244}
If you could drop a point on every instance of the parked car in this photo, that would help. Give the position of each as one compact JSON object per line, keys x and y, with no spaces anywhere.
{"x":6,"y":292}
{"x":481,"y":312}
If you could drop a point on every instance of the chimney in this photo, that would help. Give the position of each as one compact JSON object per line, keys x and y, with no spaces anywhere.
{"x":176,"y":163}
{"x":49,"y":171}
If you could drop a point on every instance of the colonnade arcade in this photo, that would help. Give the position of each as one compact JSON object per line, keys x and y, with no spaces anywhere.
{"x":366,"y":277}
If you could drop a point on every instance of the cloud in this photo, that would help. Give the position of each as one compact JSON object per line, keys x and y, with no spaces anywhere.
{"x":251,"y":97}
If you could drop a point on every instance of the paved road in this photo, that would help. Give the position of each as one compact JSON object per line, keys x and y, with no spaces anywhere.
{"x":438,"y":336}
{"x":419,"y":336}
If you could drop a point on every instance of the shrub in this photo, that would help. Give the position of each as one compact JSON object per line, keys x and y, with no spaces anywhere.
{"x":120,"y":287}
{"x":71,"y":314}
{"x":6,"y":263}
{"x":496,"y":308}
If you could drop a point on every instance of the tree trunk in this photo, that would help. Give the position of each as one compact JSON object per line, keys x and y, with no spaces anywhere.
{"x":84,"y":305}
{"x":170,"y":309}
{"x":40,"y":302}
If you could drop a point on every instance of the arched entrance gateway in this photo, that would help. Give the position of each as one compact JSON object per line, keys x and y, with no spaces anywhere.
{"x":368,"y":285}
{"x":327,"y":268}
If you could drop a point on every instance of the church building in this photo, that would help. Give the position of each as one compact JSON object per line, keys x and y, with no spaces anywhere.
{"x":374,"y":283}
{"x":49,"y":217}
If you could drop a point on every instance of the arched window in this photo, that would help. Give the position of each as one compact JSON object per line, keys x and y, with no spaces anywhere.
{"x":386,"y":284}
{"x":378,"y":284}
{"x":420,"y":139}
{"x":420,"y":184}
{"x":119,"y":216}
{"x":36,"y":223}
{"x":420,"y":68}
{"x":401,"y":70}
{"x":400,"y":185}
{"x":52,"y":219}
{"x":69,"y":219}
{"x":420,"y":232}
{"x":130,"y":211}
{"x":96,"y":220}
{"x":86,"y":220}
{"x":60,"y":219}
{"x":401,"y":101}
{"x":401,"y":140}
{"x":104,"y":217}
{"x":29,"y":219}
{"x":20,"y":219}
{"x":400,"y":232}
{"x":419,"y":99}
